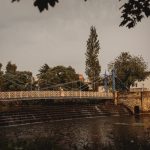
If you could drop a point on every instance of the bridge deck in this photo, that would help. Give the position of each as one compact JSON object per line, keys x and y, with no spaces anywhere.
{"x":34,"y":95}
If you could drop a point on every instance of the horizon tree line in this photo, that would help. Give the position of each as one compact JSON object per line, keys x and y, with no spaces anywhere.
{"x":129,"y":69}
{"x":48,"y":78}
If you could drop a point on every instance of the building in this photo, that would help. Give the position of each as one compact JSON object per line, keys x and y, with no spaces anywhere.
{"x":141,"y":86}
{"x":81,"y":78}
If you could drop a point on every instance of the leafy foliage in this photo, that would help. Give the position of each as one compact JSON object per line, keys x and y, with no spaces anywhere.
{"x":11,"y":68}
{"x":43,"y":4}
{"x":134,"y":11}
{"x":93,"y":67}
{"x":13,"y":80}
{"x":48,"y":79}
{"x":44,"y":69}
{"x":1,"y":76}
{"x":56,"y":77}
{"x":129,"y":69}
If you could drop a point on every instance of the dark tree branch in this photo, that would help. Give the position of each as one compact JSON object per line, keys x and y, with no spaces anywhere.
{"x":133,"y":11}
{"x":43,"y":4}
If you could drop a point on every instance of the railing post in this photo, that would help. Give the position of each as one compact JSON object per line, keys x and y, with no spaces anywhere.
{"x":20,"y":94}
{"x":115,"y":95}
{"x":9,"y":95}
{"x":80,"y":89}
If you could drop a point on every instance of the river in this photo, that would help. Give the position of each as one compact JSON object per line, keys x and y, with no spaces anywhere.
{"x":102,"y":133}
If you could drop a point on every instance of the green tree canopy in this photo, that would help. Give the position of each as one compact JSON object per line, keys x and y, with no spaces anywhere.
{"x":11,"y":68}
{"x":44,"y":69}
{"x":57,"y":77}
{"x":13,"y":80}
{"x":129,"y":69}
{"x":20,"y":81}
{"x":92,"y":66}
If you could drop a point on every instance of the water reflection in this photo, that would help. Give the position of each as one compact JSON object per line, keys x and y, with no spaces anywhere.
{"x":104,"y":133}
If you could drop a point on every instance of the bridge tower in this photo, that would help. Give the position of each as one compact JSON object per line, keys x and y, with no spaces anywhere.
{"x":114,"y":86}
{"x":106,"y":82}
{"x":113,"y":80}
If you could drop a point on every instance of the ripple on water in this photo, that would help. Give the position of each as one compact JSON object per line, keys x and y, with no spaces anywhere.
{"x":122,"y":123}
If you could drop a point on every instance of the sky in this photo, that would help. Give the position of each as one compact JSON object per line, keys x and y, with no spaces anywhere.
{"x":58,"y":36}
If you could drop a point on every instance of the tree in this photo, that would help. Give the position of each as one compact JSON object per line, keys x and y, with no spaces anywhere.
{"x":11,"y":68}
{"x":14,"y":80}
{"x":20,"y":81}
{"x":1,"y":67}
{"x":129,"y":69}
{"x":25,"y":80}
{"x":133,"y":11}
{"x":1,"y":76}
{"x":57,"y":77}
{"x":44,"y":69}
{"x":43,"y":76}
{"x":92,"y":65}
{"x":9,"y":83}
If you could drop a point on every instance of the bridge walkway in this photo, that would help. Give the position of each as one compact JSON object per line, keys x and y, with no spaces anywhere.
{"x":33,"y":95}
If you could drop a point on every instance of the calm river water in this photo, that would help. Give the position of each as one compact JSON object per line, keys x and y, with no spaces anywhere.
{"x":103,"y":133}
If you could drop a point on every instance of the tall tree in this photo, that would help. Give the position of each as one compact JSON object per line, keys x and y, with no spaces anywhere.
{"x":92,"y":66}
{"x":129,"y":69}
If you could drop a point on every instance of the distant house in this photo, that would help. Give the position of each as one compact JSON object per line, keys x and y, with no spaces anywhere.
{"x":141,"y":86}
{"x":81,"y":78}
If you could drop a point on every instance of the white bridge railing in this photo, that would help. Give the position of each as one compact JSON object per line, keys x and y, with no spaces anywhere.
{"x":53,"y":94}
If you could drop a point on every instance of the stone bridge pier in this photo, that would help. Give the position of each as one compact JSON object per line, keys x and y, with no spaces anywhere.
{"x":137,"y":102}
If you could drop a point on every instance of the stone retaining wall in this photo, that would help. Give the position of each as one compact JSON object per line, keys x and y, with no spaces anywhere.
{"x":135,"y":99}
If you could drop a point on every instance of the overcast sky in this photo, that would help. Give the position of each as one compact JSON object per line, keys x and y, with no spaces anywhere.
{"x":58,"y":36}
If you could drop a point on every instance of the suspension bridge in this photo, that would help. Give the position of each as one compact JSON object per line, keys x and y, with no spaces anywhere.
{"x":28,"y":95}
{"x":79,"y":95}
{"x":30,"y":107}
{"x":64,"y":91}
